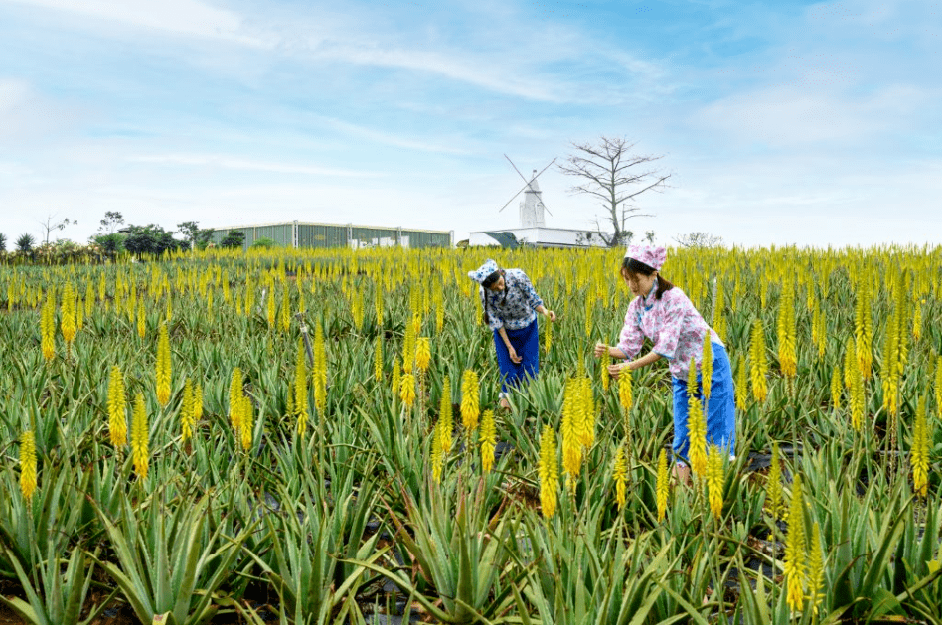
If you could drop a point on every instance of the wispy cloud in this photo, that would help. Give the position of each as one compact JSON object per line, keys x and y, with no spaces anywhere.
{"x":228,"y":162}
{"x":179,"y":17}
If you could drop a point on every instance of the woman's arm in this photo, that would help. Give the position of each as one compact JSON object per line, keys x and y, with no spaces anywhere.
{"x":649,"y":358}
{"x":543,"y":311}
{"x":510,"y":348}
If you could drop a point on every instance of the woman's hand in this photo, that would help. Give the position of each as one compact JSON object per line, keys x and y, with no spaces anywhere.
{"x":551,"y":314}
{"x":614,"y":371}
{"x":514,"y":358}
{"x":600,"y":349}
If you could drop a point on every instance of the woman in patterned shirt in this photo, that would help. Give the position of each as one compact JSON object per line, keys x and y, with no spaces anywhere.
{"x":663,"y":313}
{"x":510,"y":305}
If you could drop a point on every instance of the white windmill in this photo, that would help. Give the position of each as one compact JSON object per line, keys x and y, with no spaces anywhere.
{"x":532,"y":206}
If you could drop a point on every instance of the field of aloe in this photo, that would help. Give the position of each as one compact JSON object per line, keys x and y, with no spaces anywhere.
{"x":304,"y":436}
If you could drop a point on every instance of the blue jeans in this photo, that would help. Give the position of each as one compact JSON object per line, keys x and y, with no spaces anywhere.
{"x":721,"y":420}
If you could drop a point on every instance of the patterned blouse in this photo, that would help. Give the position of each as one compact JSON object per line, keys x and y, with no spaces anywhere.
{"x":515,"y":307}
{"x":674,"y":326}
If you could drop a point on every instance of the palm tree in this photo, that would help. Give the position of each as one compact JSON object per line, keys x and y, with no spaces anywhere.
{"x":25,"y":242}
{"x":3,"y":242}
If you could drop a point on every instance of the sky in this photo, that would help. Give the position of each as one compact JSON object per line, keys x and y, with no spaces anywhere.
{"x":779,"y":122}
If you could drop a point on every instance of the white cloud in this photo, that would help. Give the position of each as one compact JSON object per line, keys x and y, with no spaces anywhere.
{"x":228,"y":162}
{"x":180,"y":17}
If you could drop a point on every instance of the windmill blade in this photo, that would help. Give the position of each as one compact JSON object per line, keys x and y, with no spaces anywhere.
{"x":527,"y":185}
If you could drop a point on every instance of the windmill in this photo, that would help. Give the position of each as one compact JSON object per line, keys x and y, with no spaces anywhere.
{"x":532,"y":206}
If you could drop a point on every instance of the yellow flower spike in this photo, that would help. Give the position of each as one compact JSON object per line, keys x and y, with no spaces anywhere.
{"x":758,"y":362}
{"x":186,"y":408}
{"x":28,"y":480}
{"x":117,"y":415}
{"x":549,"y":472}
{"x":816,"y":569}
{"x":445,"y":415}
{"x":68,"y":314}
{"x":48,"y":326}
{"x":235,"y":400}
{"x":407,"y":389}
{"x":246,"y":416}
{"x":139,"y":437}
{"x":470,"y":400}
{"x":396,"y":377}
{"x":663,"y":485}
{"x":586,"y":412}
{"x":619,"y":476}
{"x":285,"y":309}
{"x":197,"y":412}
{"x":625,"y":393}
{"x":706,"y":366}
{"x":836,"y":388}
{"x":163,"y":369}
{"x":141,"y":320}
{"x":270,"y":309}
{"x":378,"y":303}
{"x":773,"y":487}
{"x":548,"y":337}
{"x":488,"y":440}
{"x":571,"y":441}
{"x":741,"y":386}
{"x":696,"y":425}
{"x":301,"y":405}
{"x":795,"y":549}
{"x":320,"y":370}
{"x":378,"y":358}
{"x":938,"y":385}
{"x":715,"y":480}
{"x":919,"y":452}
{"x":423,"y":353}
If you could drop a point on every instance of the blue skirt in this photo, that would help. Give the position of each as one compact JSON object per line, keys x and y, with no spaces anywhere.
{"x":721,"y":420}
{"x":526,"y":342}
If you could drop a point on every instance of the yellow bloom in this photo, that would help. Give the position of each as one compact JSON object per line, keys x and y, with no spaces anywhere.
{"x":68,"y":314}
{"x":696,"y":425}
{"x":796,"y":549}
{"x":48,"y":326}
{"x":301,"y":405}
{"x":758,"y":362}
{"x":139,"y":436}
{"x":625,"y":395}
{"x":423,"y":353}
{"x":549,"y":472}
{"x":438,"y":459}
{"x":741,"y":389}
{"x":619,"y":476}
{"x":117,"y":415}
{"x":715,"y":479}
{"x":445,"y":416}
{"x":836,"y":388}
{"x":186,"y":411}
{"x":706,"y":367}
{"x":488,"y":440}
{"x":163,"y":367}
{"x":470,"y":400}
{"x":141,"y":319}
{"x":245,"y":417}
{"x":407,"y":389}
{"x":572,"y":444}
{"x":604,"y":362}
{"x":663,"y":485}
{"x":816,"y":569}
{"x":378,"y":358}
{"x":919,"y":453}
{"x":235,"y":400}
{"x":28,"y":481}
{"x":586,"y":412}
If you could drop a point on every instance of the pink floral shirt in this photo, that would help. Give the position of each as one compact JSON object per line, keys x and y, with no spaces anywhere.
{"x":672,"y":323}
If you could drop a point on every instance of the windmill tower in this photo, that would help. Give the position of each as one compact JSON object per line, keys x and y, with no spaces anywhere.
{"x":532,"y":208}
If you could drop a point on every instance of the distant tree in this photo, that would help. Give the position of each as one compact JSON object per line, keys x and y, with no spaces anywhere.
{"x":111,"y":222}
{"x":50,"y":225}
{"x":265,"y":242}
{"x":235,"y":238}
{"x":3,"y":242}
{"x":649,"y":236}
{"x":111,"y":243}
{"x":195,"y":236}
{"x":25,"y":242}
{"x":699,"y":239}
{"x":150,"y":239}
{"x":610,"y":173}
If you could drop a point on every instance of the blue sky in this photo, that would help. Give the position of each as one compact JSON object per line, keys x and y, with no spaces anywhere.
{"x":780,"y":122}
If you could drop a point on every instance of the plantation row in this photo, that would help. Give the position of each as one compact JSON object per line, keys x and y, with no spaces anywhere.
{"x":315,"y":437}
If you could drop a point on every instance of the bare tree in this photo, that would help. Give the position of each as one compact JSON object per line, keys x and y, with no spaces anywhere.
{"x":51,"y":224}
{"x":699,"y":239}
{"x":614,"y":176}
